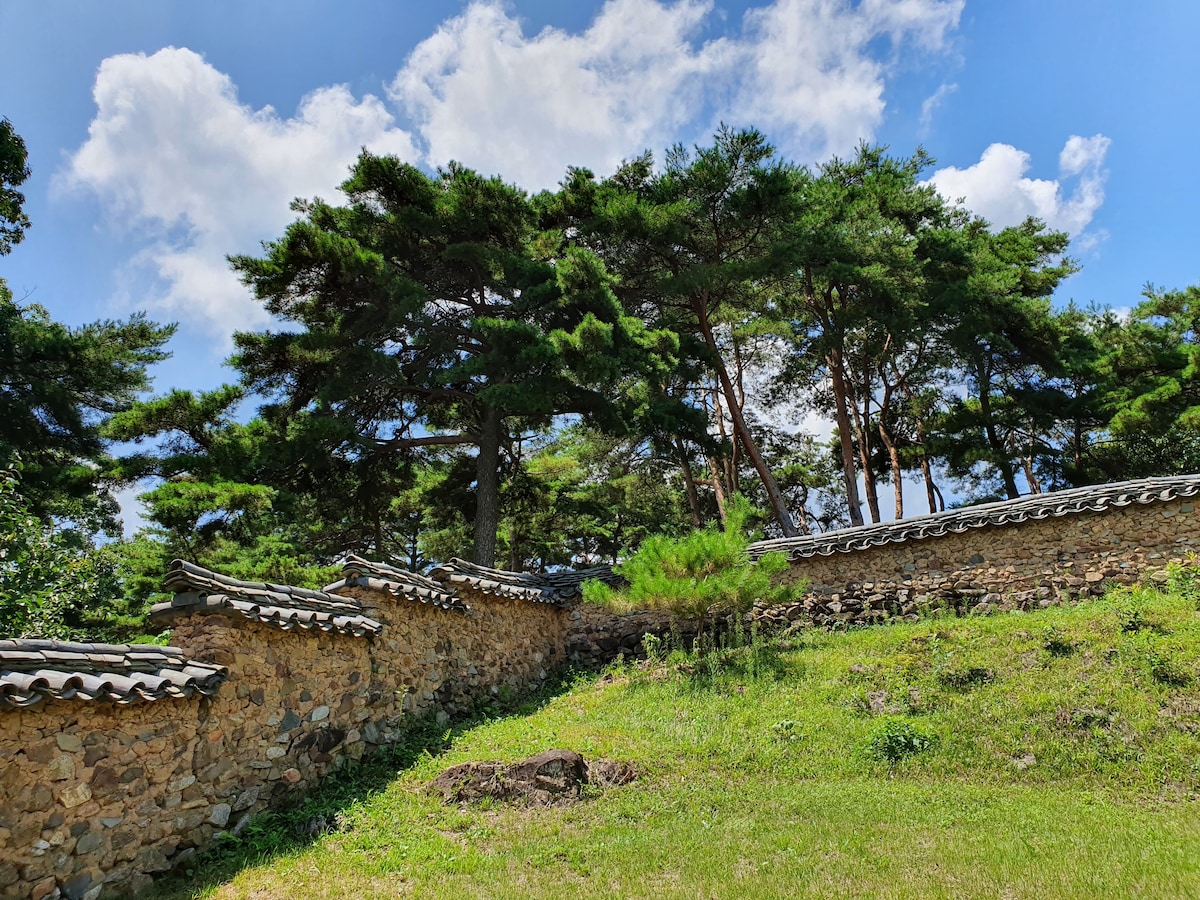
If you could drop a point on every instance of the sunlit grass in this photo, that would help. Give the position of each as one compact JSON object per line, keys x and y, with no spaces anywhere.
{"x":1062,"y":760}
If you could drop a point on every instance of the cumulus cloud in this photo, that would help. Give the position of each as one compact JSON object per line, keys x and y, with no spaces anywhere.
{"x":997,"y":188}
{"x":483,"y":92}
{"x":173,"y":154}
{"x":194,"y":174}
{"x":810,"y":76}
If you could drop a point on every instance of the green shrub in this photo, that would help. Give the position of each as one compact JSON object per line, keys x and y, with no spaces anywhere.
{"x":1131,"y":609}
{"x":1166,"y":670}
{"x":1057,"y":643}
{"x":895,"y":738}
{"x":703,"y":574}
{"x":1184,"y":579}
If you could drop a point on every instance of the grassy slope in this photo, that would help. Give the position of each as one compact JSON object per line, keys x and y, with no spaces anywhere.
{"x":1064,"y":761}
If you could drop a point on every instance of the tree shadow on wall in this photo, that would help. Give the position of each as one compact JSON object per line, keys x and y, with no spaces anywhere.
{"x":295,"y":826}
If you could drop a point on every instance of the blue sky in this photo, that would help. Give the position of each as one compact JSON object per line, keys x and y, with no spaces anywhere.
{"x":164,"y":135}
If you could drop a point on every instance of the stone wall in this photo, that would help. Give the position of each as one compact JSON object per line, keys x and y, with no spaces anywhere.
{"x":444,"y":663}
{"x":119,"y":762}
{"x":597,"y":635}
{"x":1018,"y":555}
{"x":96,"y":798}
{"x":92,"y":793}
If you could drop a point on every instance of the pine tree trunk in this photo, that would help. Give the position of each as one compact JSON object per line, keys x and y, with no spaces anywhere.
{"x":414,"y":550}
{"x":897,"y":473}
{"x":689,"y":483}
{"x":728,"y":463}
{"x":487,"y":493}
{"x":870,"y":488}
{"x":742,"y":431}
{"x":846,"y":442}
{"x":930,"y":488}
{"x":718,"y":488}
{"x":999,"y":451}
{"x":1035,"y":486}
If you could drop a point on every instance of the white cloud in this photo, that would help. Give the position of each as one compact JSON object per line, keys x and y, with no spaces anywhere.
{"x":173,"y":152}
{"x":133,"y":510}
{"x":811,"y":76}
{"x":997,"y":188}
{"x":484,"y":93}
{"x":933,"y":102}
{"x":193,"y":174}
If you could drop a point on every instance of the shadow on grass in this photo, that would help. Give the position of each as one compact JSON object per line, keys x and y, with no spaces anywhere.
{"x":296,"y":825}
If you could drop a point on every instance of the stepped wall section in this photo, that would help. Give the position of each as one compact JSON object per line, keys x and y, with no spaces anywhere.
{"x":118,"y":762}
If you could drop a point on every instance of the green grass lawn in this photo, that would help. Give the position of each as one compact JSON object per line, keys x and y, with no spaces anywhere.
{"x":1050,"y":754}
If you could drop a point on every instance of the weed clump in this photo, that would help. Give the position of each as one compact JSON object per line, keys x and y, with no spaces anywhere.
{"x":1133,"y":616}
{"x":896,"y":737}
{"x":1165,"y":670}
{"x":787,"y":731}
{"x":1184,"y":579}
{"x":967,"y":677}
{"x":1056,"y":643}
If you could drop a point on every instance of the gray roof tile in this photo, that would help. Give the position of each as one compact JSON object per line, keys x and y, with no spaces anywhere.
{"x":359,"y":572}
{"x":1095,"y":498}
{"x":200,"y":591}
{"x":37,"y":670}
{"x":554,"y":587}
{"x":286,"y":618}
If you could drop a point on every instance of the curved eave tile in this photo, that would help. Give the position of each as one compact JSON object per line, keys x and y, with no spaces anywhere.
{"x":400,"y":583}
{"x":34,"y":671}
{"x":458,"y":573}
{"x":185,"y":578}
{"x":1035,"y":507}
{"x":488,"y":587}
{"x":283,"y":618}
{"x":437,"y":598}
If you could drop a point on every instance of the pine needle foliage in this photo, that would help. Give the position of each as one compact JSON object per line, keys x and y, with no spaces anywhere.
{"x":706,"y":573}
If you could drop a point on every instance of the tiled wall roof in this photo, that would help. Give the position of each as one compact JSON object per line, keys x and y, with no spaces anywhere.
{"x":357,"y":571}
{"x":35,"y":670}
{"x":198,"y":590}
{"x":554,"y":587}
{"x":1095,"y":498}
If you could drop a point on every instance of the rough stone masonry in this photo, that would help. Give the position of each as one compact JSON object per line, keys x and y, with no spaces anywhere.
{"x":119,"y":762}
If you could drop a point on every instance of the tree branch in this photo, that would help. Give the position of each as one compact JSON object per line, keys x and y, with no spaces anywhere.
{"x":430,"y":440}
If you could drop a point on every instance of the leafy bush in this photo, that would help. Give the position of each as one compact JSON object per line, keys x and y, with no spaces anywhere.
{"x":1184,"y":579}
{"x":705,"y":573}
{"x":895,"y":738}
{"x":51,"y":578}
{"x":1132,"y":614}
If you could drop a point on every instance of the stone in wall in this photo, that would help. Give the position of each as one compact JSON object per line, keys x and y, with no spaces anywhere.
{"x":599,"y":635}
{"x":96,"y":798}
{"x":992,"y":567}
